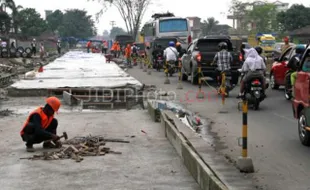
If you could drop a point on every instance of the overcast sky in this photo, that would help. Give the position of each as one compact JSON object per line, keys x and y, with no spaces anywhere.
{"x":184,"y":8}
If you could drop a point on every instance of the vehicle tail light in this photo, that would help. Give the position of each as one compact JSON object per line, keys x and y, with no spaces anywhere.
{"x":189,"y":39}
{"x":198,"y":57}
{"x":256,"y":82}
{"x":240,"y":57}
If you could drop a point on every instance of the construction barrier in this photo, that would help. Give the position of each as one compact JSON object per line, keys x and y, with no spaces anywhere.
{"x":167,"y":81}
{"x":180,"y":86}
{"x":200,"y":94}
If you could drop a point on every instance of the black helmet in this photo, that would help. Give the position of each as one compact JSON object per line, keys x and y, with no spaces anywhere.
{"x":259,"y":50}
{"x":223,"y":45}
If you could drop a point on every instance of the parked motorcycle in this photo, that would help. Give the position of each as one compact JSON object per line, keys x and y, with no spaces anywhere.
{"x":253,"y":91}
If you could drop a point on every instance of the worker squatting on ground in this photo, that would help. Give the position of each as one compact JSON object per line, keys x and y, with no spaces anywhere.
{"x":42,"y":126}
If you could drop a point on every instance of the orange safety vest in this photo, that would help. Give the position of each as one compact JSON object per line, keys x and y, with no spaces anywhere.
{"x":118,"y":47}
{"x":45,"y":121}
{"x":88,"y":44}
{"x":113,"y":48}
{"x":128,"y":52}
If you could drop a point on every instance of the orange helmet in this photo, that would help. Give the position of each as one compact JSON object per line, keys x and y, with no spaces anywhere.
{"x":178,"y":44}
{"x":54,"y":103}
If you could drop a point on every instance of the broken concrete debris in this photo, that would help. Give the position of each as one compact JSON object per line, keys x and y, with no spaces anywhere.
{"x":79,"y":147}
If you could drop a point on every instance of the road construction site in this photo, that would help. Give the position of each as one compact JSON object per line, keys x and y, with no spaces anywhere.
{"x":133,"y":152}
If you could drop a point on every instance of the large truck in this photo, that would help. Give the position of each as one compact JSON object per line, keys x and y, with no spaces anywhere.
{"x":265,"y":41}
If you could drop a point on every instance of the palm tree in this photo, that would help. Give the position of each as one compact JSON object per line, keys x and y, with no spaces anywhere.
{"x":208,"y":25}
{"x":15,"y":9}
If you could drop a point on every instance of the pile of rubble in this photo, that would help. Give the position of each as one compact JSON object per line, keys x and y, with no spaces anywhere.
{"x":79,"y":147}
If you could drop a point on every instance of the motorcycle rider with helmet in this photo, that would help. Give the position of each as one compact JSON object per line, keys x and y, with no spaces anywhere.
{"x":253,"y":66}
{"x":171,"y":53}
{"x":223,"y":59}
{"x":260,"y":51}
{"x":293,"y":65}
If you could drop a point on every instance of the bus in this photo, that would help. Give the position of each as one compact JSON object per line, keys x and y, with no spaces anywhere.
{"x":165,"y":25}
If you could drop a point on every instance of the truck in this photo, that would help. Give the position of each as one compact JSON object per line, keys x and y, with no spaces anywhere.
{"x":265,"y":41}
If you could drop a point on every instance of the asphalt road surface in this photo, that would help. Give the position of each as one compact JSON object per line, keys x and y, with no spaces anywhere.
{"x":280,"y":160}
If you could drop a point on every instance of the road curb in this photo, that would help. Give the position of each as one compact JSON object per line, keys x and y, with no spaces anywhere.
{"x":204,"y":176}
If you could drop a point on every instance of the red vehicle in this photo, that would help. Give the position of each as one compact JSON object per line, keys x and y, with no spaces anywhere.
{"x":279,"y":69}
{"x":301,"y":102}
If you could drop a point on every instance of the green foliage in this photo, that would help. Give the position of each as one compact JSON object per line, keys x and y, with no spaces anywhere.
{"x":296,"y":17}
{"x":77,"y":23}
{"x":30,"y":22}
{"x":265,"y":17}
{"x":208,"y":25}
{"x":116,"y":31}
{"x":54,"y":20}
{"x":5,"y":22}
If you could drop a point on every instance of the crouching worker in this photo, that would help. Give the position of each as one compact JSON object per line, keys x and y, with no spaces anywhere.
{"x":41,"y":126}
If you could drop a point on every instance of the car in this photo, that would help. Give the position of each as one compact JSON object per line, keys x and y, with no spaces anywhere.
{"x":300,"y":103}
{"x":277,"y":49}
{"x":279,"y":68}
{"x":207,"y":47}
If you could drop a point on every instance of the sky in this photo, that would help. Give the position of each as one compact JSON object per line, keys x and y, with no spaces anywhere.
{"x":184,"y":8}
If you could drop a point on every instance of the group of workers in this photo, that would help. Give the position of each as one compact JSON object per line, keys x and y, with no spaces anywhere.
{"x":94,"y":49}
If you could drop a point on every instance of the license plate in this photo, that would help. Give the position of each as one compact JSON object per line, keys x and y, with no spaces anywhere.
{"x":256,"y":88}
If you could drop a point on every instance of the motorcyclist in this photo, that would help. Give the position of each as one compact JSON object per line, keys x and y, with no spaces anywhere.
{"x":134,"y":53}
{"x":180,"y":50}
{"x":253,"y":66}
{"x":260,"y":51}
{"x":223,"y":60}
{"x":293,"y":64}
{"x":171,"y":53}
{"x":157,"y":52}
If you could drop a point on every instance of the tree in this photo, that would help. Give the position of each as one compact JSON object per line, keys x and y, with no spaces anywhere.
{"x":78,"y":24}
{"x":30,"y":22}
{"x":105,"y":33}
{"x":116,"y":31}
{"x":5,"y":23}
{"x":264,"y":17}
{"x":54,"y":20}
{"x":296,"y":17}
{"x":15,"y":9}
{"x":131,"y":11}
{"x":208,"y":25}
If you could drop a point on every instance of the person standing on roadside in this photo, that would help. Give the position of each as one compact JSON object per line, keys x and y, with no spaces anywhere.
{"x":58,"y":47}
{"x":34,"y":47}
{"x":42,"y":51}
{"x":88,"y":46}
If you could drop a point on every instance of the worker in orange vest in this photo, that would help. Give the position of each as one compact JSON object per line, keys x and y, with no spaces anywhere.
{"x":42,"y":126}
{"x":118,"y":49}
{"x":88,"y":45}
{"x":114,"y":49}
{"x":128,"y":55}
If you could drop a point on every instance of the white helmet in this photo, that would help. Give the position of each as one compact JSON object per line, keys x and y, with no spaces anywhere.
{"x":58,"y":40}
{"x":34,"y":39}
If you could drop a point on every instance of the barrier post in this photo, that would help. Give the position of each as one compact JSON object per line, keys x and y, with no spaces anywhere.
{"x":223,"y":92}
{"x":245,"y":163}
{"x":180,"y":85}
{"x":200,"y":94}
{"x":145,"y":63}
{"x":141,"y":62}
{"x":167,"y":81}
{"x":149,"y":71}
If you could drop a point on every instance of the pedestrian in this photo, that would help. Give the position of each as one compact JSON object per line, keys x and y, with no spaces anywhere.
{"x":59,"y":47}
{"x":88,"y":46}
{"x":105,"y":47}
{"x":118,"y":49}
{"x":42,"y":51}
{"x":41,"y":126}
{"x":128,"y":55}
{"x":13,"y":44}
{"x":34,"y":47}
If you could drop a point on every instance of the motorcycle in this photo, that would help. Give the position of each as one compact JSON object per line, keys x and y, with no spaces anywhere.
{"x":225,"y":80}
{"x":253,"y":91}
{"x":171,"y":67}
{"x":288,"y":93}
{"x":159,"y":63}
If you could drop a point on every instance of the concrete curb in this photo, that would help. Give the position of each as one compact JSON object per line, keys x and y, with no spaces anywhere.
{"x":200,"y":171}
